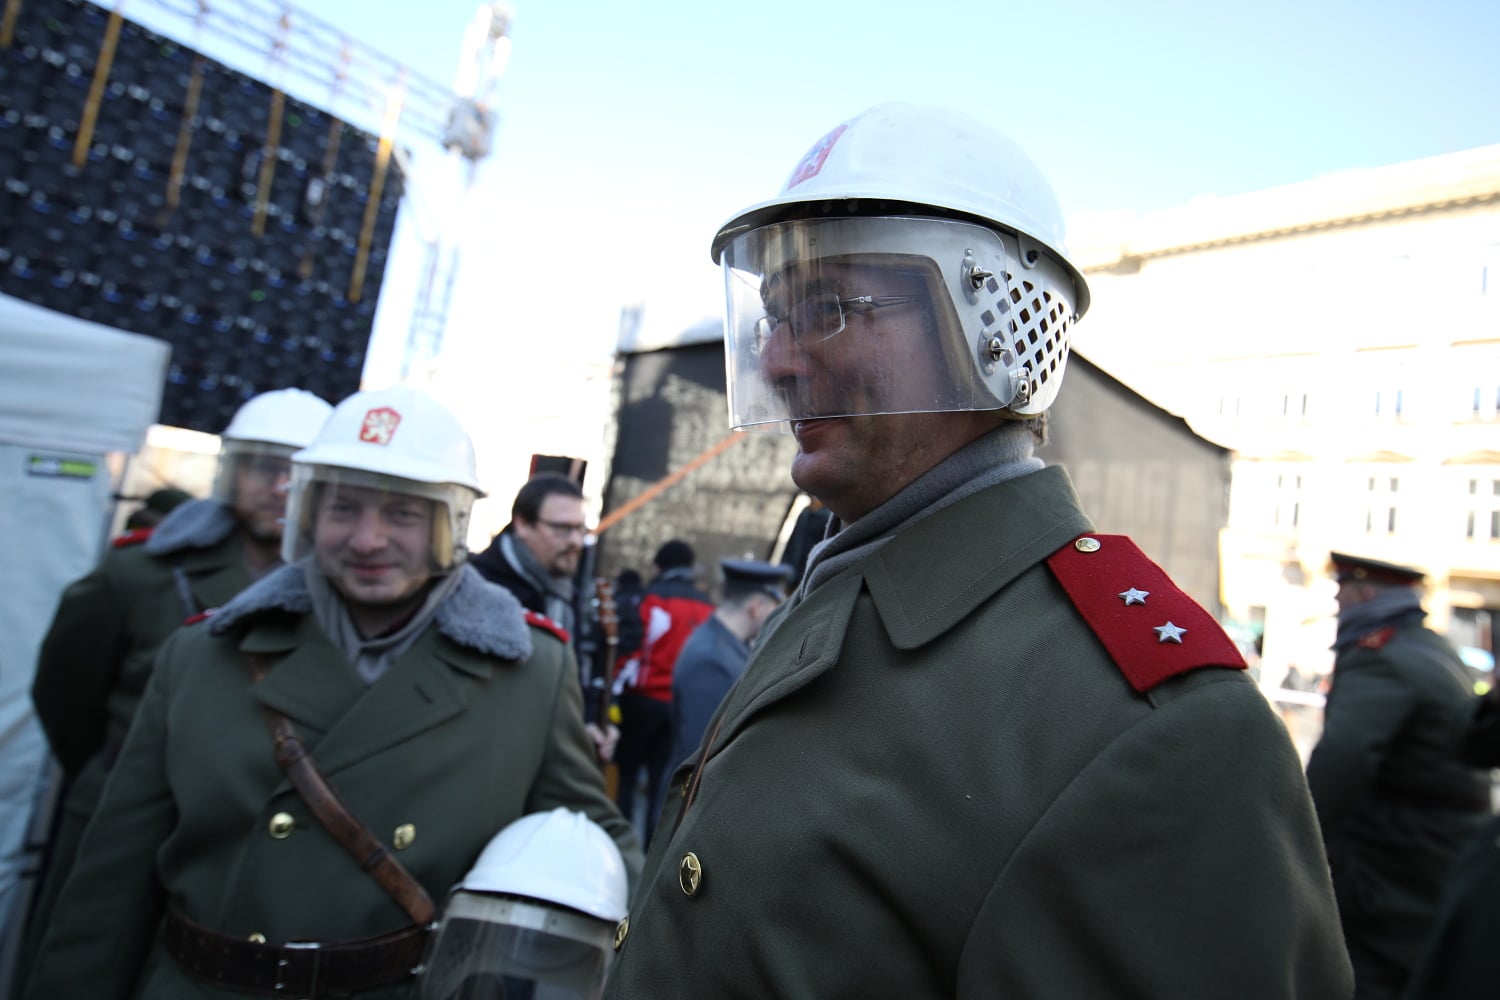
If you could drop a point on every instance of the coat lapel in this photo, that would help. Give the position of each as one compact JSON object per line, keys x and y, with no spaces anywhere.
{"x":923,"y":582}
{"x":421,"y":690}
{"x":935,"y":573}
{"x":343,"y":720}
{"x":308,"y":682}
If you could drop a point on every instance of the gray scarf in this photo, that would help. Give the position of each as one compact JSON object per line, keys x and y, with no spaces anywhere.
{"x":1004,"y":453}
{"x":1386,"y":608}
{"x":371,"y":657}
{"x":556,"y":591}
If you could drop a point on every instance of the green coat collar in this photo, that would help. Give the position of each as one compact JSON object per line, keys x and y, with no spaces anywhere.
{"x":933,"y":574}
{"x":922,"y":582}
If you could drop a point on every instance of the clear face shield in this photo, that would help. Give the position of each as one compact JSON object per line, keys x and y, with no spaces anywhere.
{"x":492,"y":947}
{"x":251,"y":466}
{"x":450,"y":515}
{"x":861,"y":316}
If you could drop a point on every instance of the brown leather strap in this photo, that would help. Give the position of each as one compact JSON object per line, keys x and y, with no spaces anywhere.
{"x":342,"y":825}
{"x":294,"y":969}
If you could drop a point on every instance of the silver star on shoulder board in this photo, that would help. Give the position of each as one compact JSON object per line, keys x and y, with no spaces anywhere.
{"x":1169,"y":633}
{"x":1133,"y":596}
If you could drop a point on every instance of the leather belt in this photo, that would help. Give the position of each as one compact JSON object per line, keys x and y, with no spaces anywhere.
{"x":294,"y":969}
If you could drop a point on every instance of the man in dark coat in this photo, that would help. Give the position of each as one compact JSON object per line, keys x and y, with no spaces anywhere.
{"x":981,"y":751}
{"x":435,"y":707}
{"x":536,"y":555}
{"x":1395,"y":801}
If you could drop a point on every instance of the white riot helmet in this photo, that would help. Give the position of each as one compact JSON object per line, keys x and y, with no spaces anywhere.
{"x":534,"y":918}
{"x":396,"y":440}
{"x":909,"y":207}
{"x":264,"y":432}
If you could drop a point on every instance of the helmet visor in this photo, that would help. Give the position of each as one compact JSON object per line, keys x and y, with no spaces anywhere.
{"x":501,"y":948}
{"x":859,"y":316}
{"x":452,"y":505}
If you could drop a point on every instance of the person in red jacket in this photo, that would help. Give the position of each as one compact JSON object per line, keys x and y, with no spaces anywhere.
{"x":672,"y":608}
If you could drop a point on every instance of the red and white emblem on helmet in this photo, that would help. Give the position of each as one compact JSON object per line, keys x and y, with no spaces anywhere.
{"x":379,"y":426}
{"x":812,"y":163}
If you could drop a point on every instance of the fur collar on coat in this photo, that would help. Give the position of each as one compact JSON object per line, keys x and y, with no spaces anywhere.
{"x":478,"y":614}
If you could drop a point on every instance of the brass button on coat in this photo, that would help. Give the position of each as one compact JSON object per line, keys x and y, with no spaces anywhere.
{"x":406,"y":834}
{"x":690,"y":873}
{"x":282,"y":825}
{"x":621,"y":929}
{"x":1087,"y":545}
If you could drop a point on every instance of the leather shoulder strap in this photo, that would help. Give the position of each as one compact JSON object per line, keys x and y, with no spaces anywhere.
{"x":342,"y":825}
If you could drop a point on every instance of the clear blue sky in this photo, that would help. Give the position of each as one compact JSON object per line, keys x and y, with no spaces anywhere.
{"x":629,"y":131}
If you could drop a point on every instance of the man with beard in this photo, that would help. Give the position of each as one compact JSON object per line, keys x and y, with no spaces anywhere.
{"x":97,"y":655}
{"x":982,"y":750}
{"x":536,"y":556}
{"x":329,"y":752}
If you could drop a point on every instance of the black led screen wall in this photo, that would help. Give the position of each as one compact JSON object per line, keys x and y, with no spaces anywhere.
{"x":203,"y":208}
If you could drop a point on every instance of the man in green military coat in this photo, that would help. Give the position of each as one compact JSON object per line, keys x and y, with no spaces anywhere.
{"x":97,"y":655}
{"x":1395,"y":798}
{"x":982,"y":751}
{"x":429,"y":703}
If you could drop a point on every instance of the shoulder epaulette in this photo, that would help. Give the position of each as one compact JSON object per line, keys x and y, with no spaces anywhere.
{"x":130,"y":538}
{"x":1376,"y":639}
{"x":548,"y":625}
{"x":1151,"y":629}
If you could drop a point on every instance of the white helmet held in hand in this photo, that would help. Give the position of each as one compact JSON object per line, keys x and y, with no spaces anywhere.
{"x":535,"y":916}
{"x":267,"y":428}
{"x":952,"y":211}
{"x":397,"y":440}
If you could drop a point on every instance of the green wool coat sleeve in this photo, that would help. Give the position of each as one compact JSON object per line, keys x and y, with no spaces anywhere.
{"x":113,"y":900}
{"x":1099,"y":900}
{"x":570,"y":775}
{"x":1374,"y":699}
{"x":77,"y":665}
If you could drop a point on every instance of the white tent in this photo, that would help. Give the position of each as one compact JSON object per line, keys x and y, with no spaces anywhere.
{"x":71,"y":393}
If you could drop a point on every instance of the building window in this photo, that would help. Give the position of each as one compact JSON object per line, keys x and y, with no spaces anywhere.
{"x":1486,"y":402}
{"x":1482,"y":518}
{"x":1389,"y":403}
{"x":1380,"y":504}
{"x":1288,"y":509}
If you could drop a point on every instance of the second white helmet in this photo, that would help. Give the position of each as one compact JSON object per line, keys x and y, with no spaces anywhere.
{"x":395,"y":439}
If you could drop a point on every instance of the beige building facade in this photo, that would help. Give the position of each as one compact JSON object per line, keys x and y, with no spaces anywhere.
{"x":1342,"y":338}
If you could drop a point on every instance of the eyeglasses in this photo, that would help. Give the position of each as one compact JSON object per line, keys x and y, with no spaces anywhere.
{"x":266,"y":466}
{"x":562,"y":529}
{"x":819,"y":317}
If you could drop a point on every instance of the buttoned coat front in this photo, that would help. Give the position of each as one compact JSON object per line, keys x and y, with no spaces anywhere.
{"x":933,"y":781}
{"x":463,"y":734}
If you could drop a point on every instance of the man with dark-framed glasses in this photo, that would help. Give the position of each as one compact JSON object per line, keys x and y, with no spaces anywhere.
{"x":982,"y":750}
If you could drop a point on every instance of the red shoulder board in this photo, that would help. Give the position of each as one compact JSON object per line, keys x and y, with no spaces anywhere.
{"x":135,"y":537}
{"x":1152,"y":630}
{"x":1376,"y":639}
{"x":543,"y":622}
{"x":201,"y":616}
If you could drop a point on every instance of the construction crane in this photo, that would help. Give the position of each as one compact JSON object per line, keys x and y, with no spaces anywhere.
{"x":468,"y":139}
